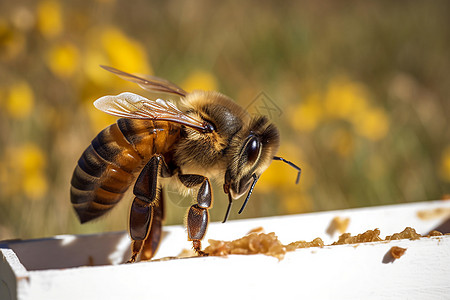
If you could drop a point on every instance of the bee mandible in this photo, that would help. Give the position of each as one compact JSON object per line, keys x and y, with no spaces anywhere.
{"x":209,"y":137}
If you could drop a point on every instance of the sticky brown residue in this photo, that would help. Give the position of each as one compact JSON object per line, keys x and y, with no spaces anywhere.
{"x":254,"y":243}
{"x":397,"y":252}
{"x":268,"y":243}
{"x":434,"y":233}
{"x":368,"y":236}
{"x":258,"y":243}
{"x":317,"y":242}
{"x":407,"y":233}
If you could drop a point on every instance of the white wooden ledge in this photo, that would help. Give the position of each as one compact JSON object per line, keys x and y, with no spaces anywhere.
{"x":57,"y":268}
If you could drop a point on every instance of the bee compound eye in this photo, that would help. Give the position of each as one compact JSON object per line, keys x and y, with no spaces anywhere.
{"x":252,"y":150}
{"x":209,"y":127}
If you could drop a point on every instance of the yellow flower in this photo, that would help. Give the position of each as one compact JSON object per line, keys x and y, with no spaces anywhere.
{"x":12,"y":42}
{"x":20,"y":100}
{"x":445,"y":164}
{"x":200,"y":80}
{"x":282,"y":176}
{"x":32,"y":164}
{"x":91,"y":61}
{"x":275,"y":177}
{"x":63,"y":59}
{"x":110,"y":46}
{"x":123,"y":52}
{"x":349,"y":101}
{"x":307,"y":115}
{"x":372,"y":124}
{"x":345,"y":99}
{"x":50,"y":18}
{"x":35,"y":185}
{"x":32,"y":159}
{"x":23,"y":171}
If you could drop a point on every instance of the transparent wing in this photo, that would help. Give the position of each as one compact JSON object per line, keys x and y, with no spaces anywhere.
{"x":150,"y":83}
{"x":132,"y":106}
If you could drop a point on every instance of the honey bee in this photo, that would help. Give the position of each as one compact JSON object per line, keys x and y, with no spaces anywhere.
{"x":209,"y":137}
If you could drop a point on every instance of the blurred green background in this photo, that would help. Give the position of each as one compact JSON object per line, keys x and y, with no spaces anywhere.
{"x":362,"y":87}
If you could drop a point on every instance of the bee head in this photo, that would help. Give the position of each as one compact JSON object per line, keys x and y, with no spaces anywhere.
{"x":251,"y":151}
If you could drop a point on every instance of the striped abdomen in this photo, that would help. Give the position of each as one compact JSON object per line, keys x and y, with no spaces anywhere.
{"x":107,"y":168}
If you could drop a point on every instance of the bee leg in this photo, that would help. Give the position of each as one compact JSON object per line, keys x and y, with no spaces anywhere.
{"x":198,"y":216}
{"x":197,"y":222}
{"x":140,"y":220}
{"x":152,"y":241}
{"x":146,"y":211}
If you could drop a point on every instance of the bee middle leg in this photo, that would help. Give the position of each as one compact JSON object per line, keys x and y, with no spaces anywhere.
{"x":198,"y":216}
{"x":151,"y":243}
{"x":146,"y":212}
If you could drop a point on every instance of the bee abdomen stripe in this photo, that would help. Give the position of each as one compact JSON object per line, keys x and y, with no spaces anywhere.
{"x":92,"y":163}
{"x":116,"y":180}
{"x":107,"y":168}
{"x":98,"y":196}
{"x":83,"y":181}
{"x":94,"y":211}
{"x":111,"y":145}
{"x":92,"y":204}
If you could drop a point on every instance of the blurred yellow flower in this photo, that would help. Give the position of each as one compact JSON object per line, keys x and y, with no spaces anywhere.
{"x":91,"y":61}
{"x":308,"y":114}
{"x":372,"y":124}
{"x":35,"y":185}
{"x":280,"y":176}
{"x":275,"y":177}
{"x":344,"y":99}
{"x":32,"y":162}
{"x":110,"y":46}
{"x":124,"y":52}
{"x":50,"y":18}
{"x":23,"y":171}
{"x":200,"y":80}
{"x":445,"y":164}
{"x":12,"y":42}
{"x":31,"y":158}
{"x":63,"y":59}
{"x":20,"y":100}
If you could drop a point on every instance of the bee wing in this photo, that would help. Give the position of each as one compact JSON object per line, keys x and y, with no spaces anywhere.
{"x":132,"y":106}
{"x":150,"y":83}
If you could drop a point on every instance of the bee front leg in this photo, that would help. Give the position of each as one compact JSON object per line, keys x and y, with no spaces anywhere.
{"x":147,"y":209}
{"x":198,"y":216}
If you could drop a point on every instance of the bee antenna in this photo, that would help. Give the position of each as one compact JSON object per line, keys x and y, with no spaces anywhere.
{"x":292,"y":165}
{"x":255,"y":179}
{"x":230,"y":201}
